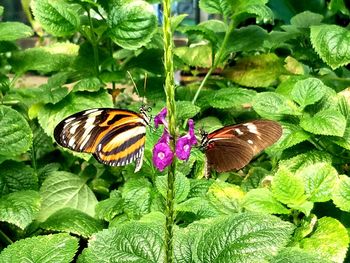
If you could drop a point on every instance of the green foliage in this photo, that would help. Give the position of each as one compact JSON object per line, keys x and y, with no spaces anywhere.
{"x":63,"y":189}
{"x":243,"y":237}
{"x":335,"y":234}
{"x":331,"y":42}
{"x":19,"y":208}
{"x":131,"y":242}
{"x":10,"y":31}
{"x":290,"y":204}
{"x":57,"y":248}
{"x":58,"y":18}
{"x":72,"y":221}
{"x":15,"y":134}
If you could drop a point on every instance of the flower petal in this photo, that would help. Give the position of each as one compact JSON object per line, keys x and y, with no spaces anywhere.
{"x":183,"y":147}
{"x":160,"y":118}
{"x":162,"y":156}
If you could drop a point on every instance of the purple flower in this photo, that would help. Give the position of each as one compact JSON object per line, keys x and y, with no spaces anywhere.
{"x":162,"y":155}
{"x":184,"y":143}
{"x":160,"y":118}
{"x":165,"y":137}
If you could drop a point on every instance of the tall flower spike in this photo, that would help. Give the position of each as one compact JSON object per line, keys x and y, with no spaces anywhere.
{"x":185,"y":143}
{"x":160,"y":118}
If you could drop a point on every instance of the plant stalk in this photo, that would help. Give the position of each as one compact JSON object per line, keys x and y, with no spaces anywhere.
{"x":94,"y":44}
{"x":170,"y":102}
{"x":217,"y":59}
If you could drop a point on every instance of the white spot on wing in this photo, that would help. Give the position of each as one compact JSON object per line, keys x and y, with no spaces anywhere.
{"x":250,"y":142}
{"x":239,"y":132}
{"x":71,"y":142}
{"x":251,"y":127}
{"x":90,"y":111}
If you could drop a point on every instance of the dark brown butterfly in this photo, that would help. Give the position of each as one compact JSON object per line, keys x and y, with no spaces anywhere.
{"x":115,"y":137}
{"x":233,"y":147}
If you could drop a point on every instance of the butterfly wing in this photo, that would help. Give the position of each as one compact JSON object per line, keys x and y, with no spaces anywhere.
{"x":228,"y":154}
{"x":237,"y":142}
{"x":107,"y":133}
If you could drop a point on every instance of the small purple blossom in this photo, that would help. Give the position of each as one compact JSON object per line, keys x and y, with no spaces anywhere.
{"x":160,"y":118}
{"x":165,"y":137}
{"x":184,"y":144}
{"x":162,"y":156}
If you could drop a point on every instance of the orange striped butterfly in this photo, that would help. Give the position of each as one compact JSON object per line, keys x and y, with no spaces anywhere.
{"x":115,"y":137}
{"x":233,"y":147}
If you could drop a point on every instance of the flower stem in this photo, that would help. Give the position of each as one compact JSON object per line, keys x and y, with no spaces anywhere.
{"x":94,"y":44}
{"x":217,"y":59}
{"x":170,"y":101}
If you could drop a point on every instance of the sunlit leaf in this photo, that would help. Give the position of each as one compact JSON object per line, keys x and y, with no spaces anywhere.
{"x":58,"y":248}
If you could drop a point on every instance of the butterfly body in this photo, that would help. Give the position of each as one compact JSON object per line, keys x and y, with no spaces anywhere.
{"x":115,"y":137}
{"x":233,"y":147}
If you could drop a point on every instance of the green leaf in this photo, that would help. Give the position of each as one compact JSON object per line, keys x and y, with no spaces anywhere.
{"x":199,"y":187}
{"x":241,"y":39}
{"x":110,"y":208}
{"x":72,"y":221}
{"x":132,"y":23}
{"x":256,"y":71}
{"x":186,"y":110}
{"x":63,"y":189}
{"x":137,"y":196}
{"x":307,"y":92}
{"x":56,"y":17}
{"x":225,"y":197}
{"x":261,"y":200}
{"x":306,"y":19}
{"x":58,"y":248}
{"x":209,"y":124}
{"x":273,"y":105}
{"x":341,"y":193}
{"x":89,"y":84}
{"x":288,"y":188}
{"x":292,"y":135}
{"x":296,"y":255}
{"x":247,"y":9}
{"x":181,"y":186}
{"x":254,"y":178}
{"x":55,"y":57}
{"x":237,"y":98}
{"x":331,"y":43}
{"x":319,"y":181}
{"x":244,"y":237}
{"x":326,"y":122}
{"x":186,"y":239}
{"x":215,"y":6}
{"x":306,"y":159}
{"x":330,"y":240}
{"x":16,"y":176}
{"x":199,"y":55}
{"x":51,"y":115}
{"x":1,"y":10}
{"x":10,"y":31}
{"x":344,"y":141}
{"x":198,"y":206}
{"x":15,"y":133}
{"x":130,"y":242}
{"x":19,"y":208}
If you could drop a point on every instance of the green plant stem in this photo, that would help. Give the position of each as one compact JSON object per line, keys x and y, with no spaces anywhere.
{"x":94,"y":44}
{"x":217,"y":59}
{"x":5,"y":238}
{"x":170,"y":102}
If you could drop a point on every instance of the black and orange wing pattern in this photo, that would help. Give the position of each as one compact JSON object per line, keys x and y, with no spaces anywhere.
{"x":115,"y":137}
{"x":233,"y":147}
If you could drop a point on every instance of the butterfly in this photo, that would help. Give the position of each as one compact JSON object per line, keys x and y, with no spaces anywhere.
{"x":115,"y":137}
{"x":233,"y":147}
